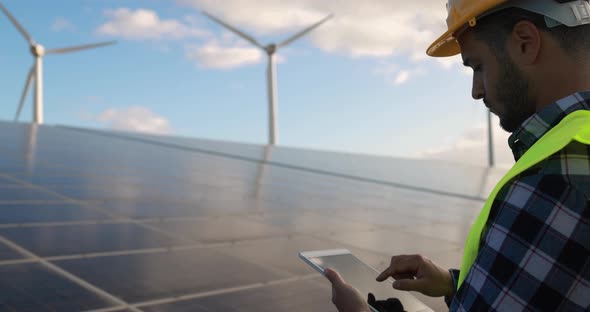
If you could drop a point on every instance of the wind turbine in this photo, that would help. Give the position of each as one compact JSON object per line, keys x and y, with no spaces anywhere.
{"x":36,"y":71}
{"x":270,"y":50}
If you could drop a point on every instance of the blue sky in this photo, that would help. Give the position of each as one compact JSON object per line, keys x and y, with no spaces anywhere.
{"x":359,"y":83}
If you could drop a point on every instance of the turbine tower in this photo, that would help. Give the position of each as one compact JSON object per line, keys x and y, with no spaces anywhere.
{"x":270,"y":51}
{"x":36,"y":71}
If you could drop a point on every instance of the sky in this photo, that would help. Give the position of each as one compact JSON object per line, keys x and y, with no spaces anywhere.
{"x":360,"y":83}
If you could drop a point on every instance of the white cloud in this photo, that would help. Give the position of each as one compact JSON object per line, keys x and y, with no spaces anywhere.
{"x":395,"y":75}
{"x":449,"y":62}
{"x":135,"y":118}
{"x":380,"y":29}
{"x":472,"y":147}
{"x":377,"y":28}
{"x":62,"y":24}
{"x":144,"y":24}
{"x":402,"y":77}
{"x":220,"y":55}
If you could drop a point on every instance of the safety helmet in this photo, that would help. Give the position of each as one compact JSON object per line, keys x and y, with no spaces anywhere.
{"x":465,"y":13}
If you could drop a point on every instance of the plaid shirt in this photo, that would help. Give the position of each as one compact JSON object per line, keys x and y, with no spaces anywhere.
{"x":535,"y":251}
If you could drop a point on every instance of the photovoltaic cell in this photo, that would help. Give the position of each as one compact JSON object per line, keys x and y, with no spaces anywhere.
{"x":19,"y":193}
{"x":234,"y":228}
{"x":39,"y":213}
{"x":32,"y":287}
{"x":290,"y":297}
{"x":166,"y":275}
{"x":49,"y":241}
{"x":143,"y":208}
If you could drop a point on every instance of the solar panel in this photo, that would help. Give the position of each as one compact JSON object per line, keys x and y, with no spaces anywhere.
{"x":106,"y":221}
{"x":288,"y":296}
{"x":463,"y":181}
{"x":77,"y":239}
{"x":34,"y":287}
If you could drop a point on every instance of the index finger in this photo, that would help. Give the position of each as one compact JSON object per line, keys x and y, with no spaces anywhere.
{"x":384,"y":275}
{"x":400,"y":266}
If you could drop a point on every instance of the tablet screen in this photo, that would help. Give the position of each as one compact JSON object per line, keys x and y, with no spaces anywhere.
{"x":362,"y":277}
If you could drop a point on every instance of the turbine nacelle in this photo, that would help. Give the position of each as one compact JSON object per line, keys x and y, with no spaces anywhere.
{"x":38,"y":50}
{"x":271,"y":49}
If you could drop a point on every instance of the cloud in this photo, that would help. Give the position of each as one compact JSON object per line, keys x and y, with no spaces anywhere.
{"x":135,"y":118}
{"x":379,"y":29}
{"x":383,"y":30}
{"x":401,"y":77}
{"x":449,"y":62}
{"x":62,"y":24}
{"x":395,"y":75}
{"x":144,"y":24}
{"x":223,"y":55}
{"x":376,"y":28}
{"x":472,"y":147}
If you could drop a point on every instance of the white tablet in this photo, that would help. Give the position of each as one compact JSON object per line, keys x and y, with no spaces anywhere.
{"x":361,"y":276}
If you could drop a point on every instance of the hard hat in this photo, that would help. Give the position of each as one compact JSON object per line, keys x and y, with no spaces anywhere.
{"x":465,"y":13}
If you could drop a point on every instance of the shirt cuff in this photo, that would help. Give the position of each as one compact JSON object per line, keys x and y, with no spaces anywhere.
{"x":455,"y":279}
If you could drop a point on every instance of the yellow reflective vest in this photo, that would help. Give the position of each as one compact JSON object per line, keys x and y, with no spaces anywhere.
{"x":575,"y":126}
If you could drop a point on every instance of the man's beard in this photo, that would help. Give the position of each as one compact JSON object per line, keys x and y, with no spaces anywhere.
{"x":512,"y":92}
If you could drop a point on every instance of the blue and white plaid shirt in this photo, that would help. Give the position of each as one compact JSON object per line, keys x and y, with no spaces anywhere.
{"x":535,"y":253}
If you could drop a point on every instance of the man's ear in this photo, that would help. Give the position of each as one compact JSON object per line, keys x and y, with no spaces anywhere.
{"x":524,"y":43}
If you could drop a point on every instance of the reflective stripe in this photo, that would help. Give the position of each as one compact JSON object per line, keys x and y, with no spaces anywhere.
{"x":575,"y":126}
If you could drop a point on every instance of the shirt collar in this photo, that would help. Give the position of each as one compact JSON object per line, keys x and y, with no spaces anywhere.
{"x":540,"y":123}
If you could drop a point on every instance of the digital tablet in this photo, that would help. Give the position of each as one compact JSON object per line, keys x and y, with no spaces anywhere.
{"x":361,"y":276}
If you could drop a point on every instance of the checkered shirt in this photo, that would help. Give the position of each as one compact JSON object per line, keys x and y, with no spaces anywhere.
{"x":535,"y":251}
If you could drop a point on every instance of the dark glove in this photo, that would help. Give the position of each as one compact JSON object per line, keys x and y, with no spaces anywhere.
{"x":389,"y":305}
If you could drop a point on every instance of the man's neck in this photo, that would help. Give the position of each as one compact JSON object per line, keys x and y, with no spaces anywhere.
{"x":562,"y":81}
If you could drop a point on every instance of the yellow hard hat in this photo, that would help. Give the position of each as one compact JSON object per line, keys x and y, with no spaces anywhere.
{"x":461,"y":13}
{"x":464,"y":13}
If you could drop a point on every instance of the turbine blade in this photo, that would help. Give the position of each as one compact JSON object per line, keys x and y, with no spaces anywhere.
{"x":17,"y":24}
{"x":78,"y":48}
{"x":304,"y":32}
{"x":235,"y":30}
{"x":30,"y":78}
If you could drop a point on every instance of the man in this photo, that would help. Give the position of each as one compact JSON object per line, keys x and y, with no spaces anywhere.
{"x":529,"y":249}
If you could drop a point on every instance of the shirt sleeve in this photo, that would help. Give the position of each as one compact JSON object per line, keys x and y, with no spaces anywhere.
{"x":535,"y":254}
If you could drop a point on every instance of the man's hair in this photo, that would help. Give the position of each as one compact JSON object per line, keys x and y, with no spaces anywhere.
{"x":495,"y":28}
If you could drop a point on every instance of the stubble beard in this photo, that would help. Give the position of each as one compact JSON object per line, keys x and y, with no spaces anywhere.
{"x":512,"y":91}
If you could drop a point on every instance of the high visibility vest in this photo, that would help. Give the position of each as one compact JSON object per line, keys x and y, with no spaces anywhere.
{"x":575,"y":126}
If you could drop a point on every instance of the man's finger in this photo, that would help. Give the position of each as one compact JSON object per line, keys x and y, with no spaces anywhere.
{"x":384,"y":275}
{"x":404,"y":265}
{"x":334,"y":277}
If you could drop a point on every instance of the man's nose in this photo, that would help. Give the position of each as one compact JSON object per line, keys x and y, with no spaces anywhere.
{"x":477,"y":90}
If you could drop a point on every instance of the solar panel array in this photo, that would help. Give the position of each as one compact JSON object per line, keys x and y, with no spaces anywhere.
{"x":106,"y":221}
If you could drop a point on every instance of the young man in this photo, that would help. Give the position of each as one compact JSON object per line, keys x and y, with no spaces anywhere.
{"x":529,"y":249}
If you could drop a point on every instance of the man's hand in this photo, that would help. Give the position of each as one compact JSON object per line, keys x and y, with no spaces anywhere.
{"x":345,"y":297}
{"x":417,"y":273}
